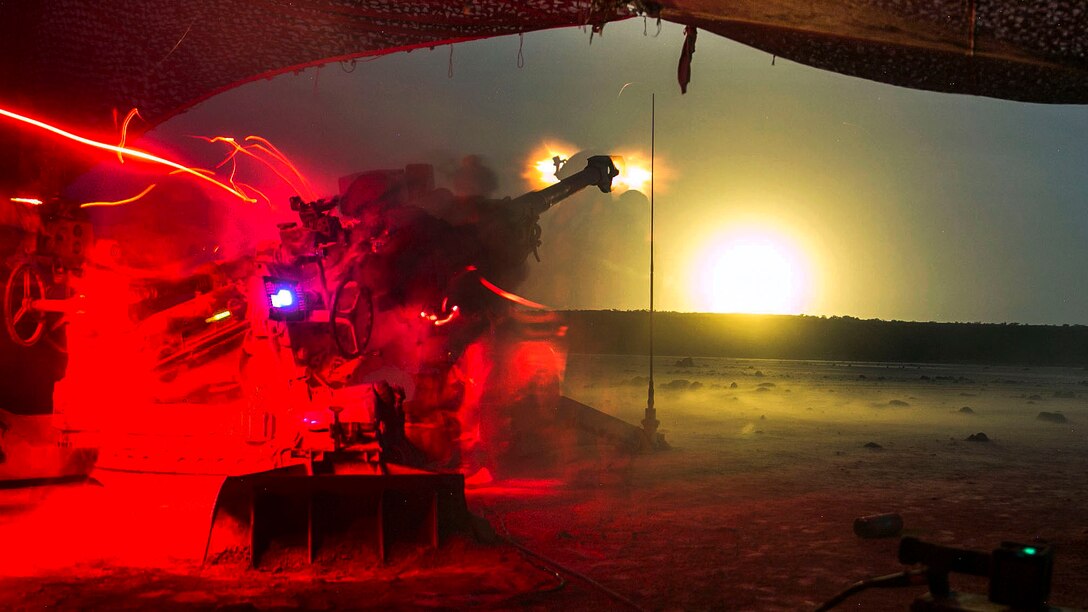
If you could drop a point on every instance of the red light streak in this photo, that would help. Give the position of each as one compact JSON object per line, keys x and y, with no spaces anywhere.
{"x":34,"y":201}
{"x":119,"y":202}
{"x":127,"y":151}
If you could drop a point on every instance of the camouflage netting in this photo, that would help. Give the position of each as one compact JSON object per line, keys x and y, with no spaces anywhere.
{"x":78,"y":61}
{"x":163,"y":56}
{"x":81,"y":59}
{"x":1034,"y":51}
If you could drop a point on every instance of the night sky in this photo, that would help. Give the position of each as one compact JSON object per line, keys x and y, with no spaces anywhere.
{"x":892,"y":203}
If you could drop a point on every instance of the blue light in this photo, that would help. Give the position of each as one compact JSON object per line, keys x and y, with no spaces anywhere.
{"x":282,"y":298}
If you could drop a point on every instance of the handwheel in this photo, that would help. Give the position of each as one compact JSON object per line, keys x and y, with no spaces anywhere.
{"x":24,"y":324}
{"x":352,"y":311}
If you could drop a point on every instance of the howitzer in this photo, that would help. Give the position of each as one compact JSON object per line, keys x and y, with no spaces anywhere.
{"x":599,"y":171}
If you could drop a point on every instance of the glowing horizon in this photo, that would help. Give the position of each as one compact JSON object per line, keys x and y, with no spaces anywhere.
{"x":750,"y":269}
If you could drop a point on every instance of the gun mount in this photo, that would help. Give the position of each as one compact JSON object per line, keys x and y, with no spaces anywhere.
{"x":599,"y":171}
{"x":376,"y":339}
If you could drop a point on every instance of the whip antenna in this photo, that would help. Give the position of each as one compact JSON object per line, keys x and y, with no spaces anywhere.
{"x":650,"y":422}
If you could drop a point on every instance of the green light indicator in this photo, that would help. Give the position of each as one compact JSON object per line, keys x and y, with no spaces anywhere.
{"x":1029,"y":550}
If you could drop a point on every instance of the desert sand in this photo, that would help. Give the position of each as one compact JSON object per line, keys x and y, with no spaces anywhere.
{"x":751,"y":509}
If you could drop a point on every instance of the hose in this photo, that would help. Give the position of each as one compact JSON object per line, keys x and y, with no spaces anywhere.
{"x":891,"y":581}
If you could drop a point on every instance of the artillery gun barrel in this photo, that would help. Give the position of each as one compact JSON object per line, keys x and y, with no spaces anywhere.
{"x":599,"y":171}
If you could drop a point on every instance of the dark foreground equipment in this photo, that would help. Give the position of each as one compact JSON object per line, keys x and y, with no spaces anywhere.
{"x":1019,"y":577}
{"x":298,"y":515}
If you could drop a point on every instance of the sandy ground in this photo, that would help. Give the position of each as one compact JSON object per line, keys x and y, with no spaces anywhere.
{"x":752,"y":509}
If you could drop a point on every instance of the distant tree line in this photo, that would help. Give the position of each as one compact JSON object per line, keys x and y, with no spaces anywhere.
{"x":825,"y":338}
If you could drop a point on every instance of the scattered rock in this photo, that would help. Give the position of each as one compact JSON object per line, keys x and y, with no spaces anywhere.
{"x":862,"y":377}
{"x":733,"y":385}
{"x":966,"y":410}
{"x":637,"y":381}
{"x":878,"y":526}
{"x":898,"y":403}
{"x":873,"y":445}
{"x":1035,"y":397}
{"x":686,"y":362}
{"x":678,"y":384}
{"x":978,"y":437}
{"x":766,"y":384}
{"x":1065,"y":394}
{"x":758,"y":373}
{"x":764,"y":389}
{"x":1052,"y":417}
{"x":763,"y":417}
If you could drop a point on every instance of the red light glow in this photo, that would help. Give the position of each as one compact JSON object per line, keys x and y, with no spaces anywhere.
{"x":138,"y":154}
{"x":34,"y":201}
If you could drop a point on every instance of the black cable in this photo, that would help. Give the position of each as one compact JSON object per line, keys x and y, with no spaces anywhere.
{"x":566,"y":570}
{"x":891,"y":581}
{"x":570,"y":572}
{"x":544,"y":568}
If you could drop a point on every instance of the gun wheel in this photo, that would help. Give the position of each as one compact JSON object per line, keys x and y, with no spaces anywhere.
{"x":24,"y":324}
{"x":352,"y":318}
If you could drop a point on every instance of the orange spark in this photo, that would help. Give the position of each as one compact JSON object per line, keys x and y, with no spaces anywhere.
{"x":119,"y":202}
{"x":517,"y":299}
{"x":256,"y":191}
{"x":219,"y":316}
{"x":34,"y":201}
{"x":439,"y":322}
{"x":124,"y":131}
{"x":272,"y":152}
{"x":285,"y":161}
{"x":127,"y":151}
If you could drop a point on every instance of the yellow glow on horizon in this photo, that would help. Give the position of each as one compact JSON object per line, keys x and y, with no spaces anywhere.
{"x":755,"y":270}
